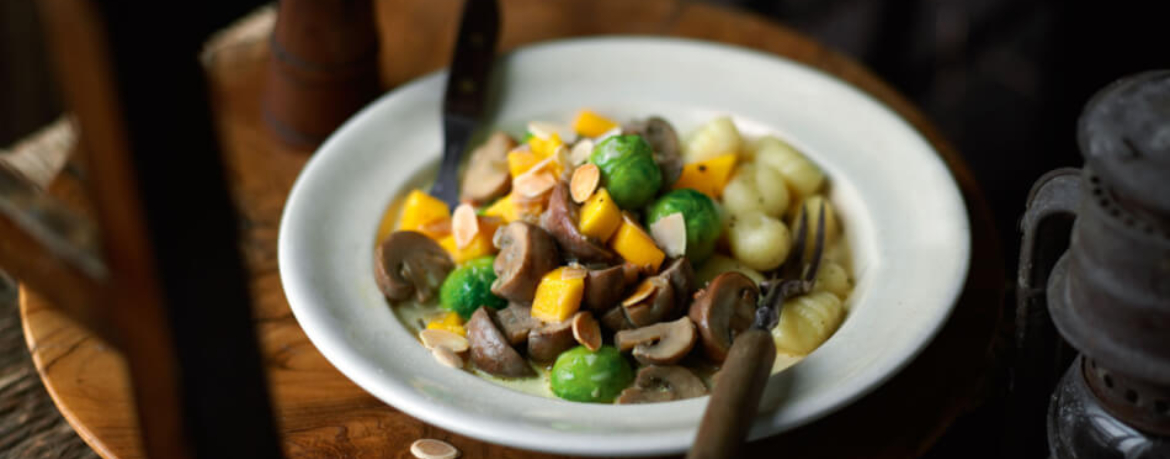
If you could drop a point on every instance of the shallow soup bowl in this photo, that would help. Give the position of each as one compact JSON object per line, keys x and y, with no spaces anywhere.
{"x":904,"y":220}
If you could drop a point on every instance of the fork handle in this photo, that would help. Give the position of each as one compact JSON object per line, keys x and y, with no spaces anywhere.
{"x":732,"y":405}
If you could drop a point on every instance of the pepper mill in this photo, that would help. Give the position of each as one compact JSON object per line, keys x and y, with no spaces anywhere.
{"x":1108,"y":294}
{"x":323,"y":67}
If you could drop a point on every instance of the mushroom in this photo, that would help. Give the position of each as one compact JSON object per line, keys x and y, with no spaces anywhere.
{"x":723,"y":310}
{"x":681,"y":277}
{"x":560,"y":220}
{"x":526,"y":253}
{"x":660,"y":344}
{"x":664,"y":140}
{"x":658,"y":298}
{"x":659,"y":305}
{"x":547,"y":342}
{"x":487,"y":175}
{"x":490,"y":351}
{"x":408,"y":263}
{"x":604,"y":288}
{"x":663,"y":384}
{"x":515,"y":321}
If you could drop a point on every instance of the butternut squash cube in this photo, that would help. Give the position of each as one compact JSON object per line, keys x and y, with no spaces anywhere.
{"x":449,"y":321}
{"x":707,"y":176}
{"x":480,"y":245}
{"x":421,"y":211}
{"x":590,"y":124}
{"x":637,"y":247}
{"x":520,"y":160}
{"x":557,"y":298}
{"x":545,"y":147}
{"x":600,"y":216}
{"x":504,"y":209}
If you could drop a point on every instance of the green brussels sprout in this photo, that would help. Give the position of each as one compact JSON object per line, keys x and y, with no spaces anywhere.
{"x":582,"y":375}
{"x":628,"y":170}
{"x":469,"y":287}
{"x":702,"y":218}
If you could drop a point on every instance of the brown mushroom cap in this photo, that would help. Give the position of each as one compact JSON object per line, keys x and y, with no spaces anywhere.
{"x":663,"y":384}
{"x":515,"y":321}
{"x":604,"y":288}
{"x":548,"y":342}
{"x":659,"y":344}
{"x":487,"y":174}
{"x":722,"y":310}
{"x":526,"y":254}
{"x":490,"y":351}
{"x":664,"y":140}
{"x":560,"y":220}
{"x":408,"y":263}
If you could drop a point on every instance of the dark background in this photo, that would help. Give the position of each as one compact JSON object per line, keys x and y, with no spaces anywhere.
{"x":1004,"y":79}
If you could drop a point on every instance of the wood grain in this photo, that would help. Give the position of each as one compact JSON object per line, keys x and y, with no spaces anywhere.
{"x":322,"y":414}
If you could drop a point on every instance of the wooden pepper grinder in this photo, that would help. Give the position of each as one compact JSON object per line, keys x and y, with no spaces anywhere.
{"x":323,"y":67}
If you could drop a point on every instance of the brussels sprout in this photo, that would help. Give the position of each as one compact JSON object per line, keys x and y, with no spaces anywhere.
{"x":470,"y":286}
{"x":582,"y":375}
{"x":628,"y":170}
{"x":702,"y":218}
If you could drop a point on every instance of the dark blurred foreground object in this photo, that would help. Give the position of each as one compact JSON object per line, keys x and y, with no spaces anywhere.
{"x":168,"y":291}
{"x":1109,"y":293}
{"x":323,"y":67}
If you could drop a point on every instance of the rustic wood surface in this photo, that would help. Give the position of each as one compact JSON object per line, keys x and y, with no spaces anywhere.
{"x":322,"y":414}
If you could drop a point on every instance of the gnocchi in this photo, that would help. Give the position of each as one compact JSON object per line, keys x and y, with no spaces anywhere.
{"x":719,"y":136}
{"x":756,"y":188}
{"x":833,"y":278}
{"x":758,"y":241}
{"x":802,"y":176}
{"x":807,"y":321}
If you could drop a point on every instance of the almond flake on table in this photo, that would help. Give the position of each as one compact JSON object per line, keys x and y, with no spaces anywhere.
{"x":670,"y":232}
{"x":464,"y":225}
{"x":429,"y":448}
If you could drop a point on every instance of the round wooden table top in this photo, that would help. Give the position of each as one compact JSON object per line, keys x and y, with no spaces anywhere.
{"x":322,"y":414}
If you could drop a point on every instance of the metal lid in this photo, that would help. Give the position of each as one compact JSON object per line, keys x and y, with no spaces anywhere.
{"x":1124,"y":133}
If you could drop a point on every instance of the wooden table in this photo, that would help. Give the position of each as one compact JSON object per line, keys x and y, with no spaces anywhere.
{"x":322,"y":414}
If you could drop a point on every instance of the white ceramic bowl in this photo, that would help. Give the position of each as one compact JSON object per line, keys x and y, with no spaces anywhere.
{"x":902,"y":211}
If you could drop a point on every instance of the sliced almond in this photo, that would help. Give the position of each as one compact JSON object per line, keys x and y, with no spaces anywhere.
{"x":580,"y":152}
{"x":574,"y":272}
{"x":535,"y":185}
{"x":429,"y":448}
{"x":432,"y":338}
{"x":670,"y":233}
{"x":586,"y":331}
{"x":584,"y":182}
{"x":447,"y":357}
{"x":464,"y":225}
{"x":644,"y":290}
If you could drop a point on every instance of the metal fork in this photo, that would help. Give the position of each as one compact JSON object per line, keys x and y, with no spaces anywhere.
{"x":736,"y":397}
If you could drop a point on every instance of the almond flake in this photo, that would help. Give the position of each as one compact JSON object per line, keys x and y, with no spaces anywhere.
{"x":580,"y":152}
{"x":573,"y":272}
{"x":429,"y":448}
{"x":586,"y":331}
{"x":584,"y":182}
{"x":644,"y":290}
{"x":533,"y":186}
{"x":464,"y":225}
{"x":432,"y":338}
{"x":670,"y":233}
{"x":447,"y":357}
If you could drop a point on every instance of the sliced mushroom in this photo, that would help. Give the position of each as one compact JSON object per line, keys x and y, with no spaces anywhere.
{"x":723,"y":310}
{"x":526,"y":253}
{"x":663,"y":384}
{"x":660,"y":344}
{"x":560,"y":220}
{"x":681,"y":277}
{"x":408,"y":263}
{"x":490,"y":351}
{"x":515,"y":321}
{"x":605,"y":288}
{"x":615,"y":319}
{"x":664,"y":140}
{"x":547,"y":342}
{"x":487,"y":175}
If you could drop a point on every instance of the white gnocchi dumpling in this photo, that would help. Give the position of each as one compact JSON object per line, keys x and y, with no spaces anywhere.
{"x":719,"y":264}
{"x":758,"y":241}
{"x":832,"y":278}
{"x":718,"y":137}
{"x":756,"y":188}
{"x":807,"y":321}
{"x":802,"y":176}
